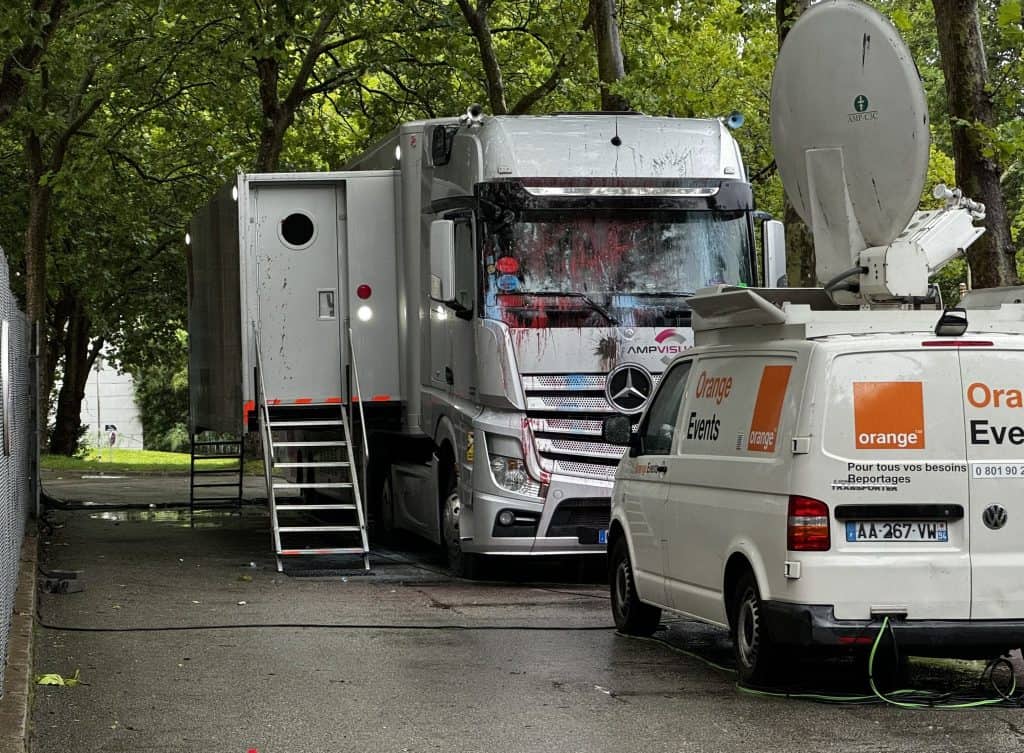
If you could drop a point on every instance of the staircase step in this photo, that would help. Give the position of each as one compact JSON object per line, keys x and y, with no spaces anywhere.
{"x":208,"y":471}
{"x":287,"y":508}
{"x":319,"y":423}
{"x":314,"y":464}
{"x":332,"y":443}
{"x":319,"y":529}
{"x":314,"y":485}
{"x":212,"y":486}
{"x":342,"y":550}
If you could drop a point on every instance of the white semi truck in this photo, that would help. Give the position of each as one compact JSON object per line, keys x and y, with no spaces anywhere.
{"x":486,"y":290}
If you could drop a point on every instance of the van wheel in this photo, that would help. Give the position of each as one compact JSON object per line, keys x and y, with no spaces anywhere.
{"x":632,"y":616}
{"x":757,"y":658}
{"x":462,"y":564}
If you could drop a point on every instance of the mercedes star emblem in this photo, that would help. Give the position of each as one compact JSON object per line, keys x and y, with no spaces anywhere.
{"x":628,"y":388}
{"x":994,"y":517}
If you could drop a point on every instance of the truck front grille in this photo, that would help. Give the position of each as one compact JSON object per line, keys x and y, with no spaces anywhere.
{"x":565,"y":413}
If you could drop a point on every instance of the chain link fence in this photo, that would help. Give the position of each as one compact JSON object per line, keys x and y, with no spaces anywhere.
{"x":16,"y":447}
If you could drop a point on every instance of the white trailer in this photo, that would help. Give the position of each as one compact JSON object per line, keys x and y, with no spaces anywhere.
{"x":487,"y":291}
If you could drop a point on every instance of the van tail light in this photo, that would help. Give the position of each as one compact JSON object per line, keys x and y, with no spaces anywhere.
{"x":807,"y":528}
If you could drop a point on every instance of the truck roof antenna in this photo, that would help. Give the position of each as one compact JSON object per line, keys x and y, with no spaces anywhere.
{"x":474,"y":116}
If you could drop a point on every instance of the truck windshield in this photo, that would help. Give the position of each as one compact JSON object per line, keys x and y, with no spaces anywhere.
{"x":551,"y":269}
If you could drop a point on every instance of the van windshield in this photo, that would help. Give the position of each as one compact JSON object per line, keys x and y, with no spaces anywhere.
{"x":579,"y":268}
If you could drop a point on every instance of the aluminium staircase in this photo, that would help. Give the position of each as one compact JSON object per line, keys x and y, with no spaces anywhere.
{"x":313,"y":456}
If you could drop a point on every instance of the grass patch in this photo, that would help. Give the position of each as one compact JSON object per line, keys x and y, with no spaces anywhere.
{"x":115,"y":460}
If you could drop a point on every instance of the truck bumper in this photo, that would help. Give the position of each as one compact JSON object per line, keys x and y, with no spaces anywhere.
{"x":570,"y":521}
{"x":806,"y":625}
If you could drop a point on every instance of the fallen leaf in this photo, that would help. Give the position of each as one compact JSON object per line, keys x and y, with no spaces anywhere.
{"x":54,"y":678}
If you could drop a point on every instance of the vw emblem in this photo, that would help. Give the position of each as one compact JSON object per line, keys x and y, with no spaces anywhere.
{"x":628,"y":388}
{"x":994,"y":517}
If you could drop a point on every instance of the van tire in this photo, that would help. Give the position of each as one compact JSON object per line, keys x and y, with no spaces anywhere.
{"x":632,"y":616}
{"x":758,"y":659}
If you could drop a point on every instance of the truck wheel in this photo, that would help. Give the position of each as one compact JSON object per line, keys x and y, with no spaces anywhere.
{"x":632,"y":616}
{"x":386,"y":510}
{"x":757,"y":658}
{"x":462,"y":564}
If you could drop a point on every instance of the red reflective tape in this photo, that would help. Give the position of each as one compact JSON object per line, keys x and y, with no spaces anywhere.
{"x":957,"y":343}
{"x":249,"y":406}
{"x":381,"y":398}
{"x":303,"y":400}
{"x":334,"y":400}
{"x":276,"y":401}
{"x":855,"y":640}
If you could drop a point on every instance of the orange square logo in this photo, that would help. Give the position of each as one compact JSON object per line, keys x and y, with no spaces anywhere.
{"x":888,"y":415}
{"x":771,"y":393}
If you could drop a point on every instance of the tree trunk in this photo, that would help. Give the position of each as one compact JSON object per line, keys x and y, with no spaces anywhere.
{"x":276,"y":117}
{"x":22,"y":61}
{"x":268,"y":158}
{"x":611,"y":67}
{"x":79,"y":358}
{"x":481,"y":29}
{"x":36,"y":231}
{"x":800,"y":261}
{"x":992,"y":257}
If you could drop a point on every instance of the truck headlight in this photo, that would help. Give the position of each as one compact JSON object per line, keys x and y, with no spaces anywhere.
{"x":510,"y":473}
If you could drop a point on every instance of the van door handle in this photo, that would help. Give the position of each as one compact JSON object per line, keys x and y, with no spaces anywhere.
{"x":661,"y":468}
{"x":449,"y":375}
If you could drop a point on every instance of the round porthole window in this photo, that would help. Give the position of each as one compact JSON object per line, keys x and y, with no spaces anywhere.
{"x":298,"y":230}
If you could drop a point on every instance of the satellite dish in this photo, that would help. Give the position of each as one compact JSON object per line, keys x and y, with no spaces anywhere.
{"x":846,"y":87}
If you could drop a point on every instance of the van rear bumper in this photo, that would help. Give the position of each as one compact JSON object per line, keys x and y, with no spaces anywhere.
{"x":808,"y":625}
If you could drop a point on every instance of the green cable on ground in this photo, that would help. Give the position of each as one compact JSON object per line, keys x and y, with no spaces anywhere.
{"x":683,"y":651}
{"x":920,"y":705}
{"x":892,"y":698}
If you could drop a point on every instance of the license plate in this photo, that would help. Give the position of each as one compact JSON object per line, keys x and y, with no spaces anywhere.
{"x":602,"y":536}
{"x":896,"y":530}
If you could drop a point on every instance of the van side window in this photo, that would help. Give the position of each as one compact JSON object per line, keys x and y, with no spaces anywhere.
{"x":660,"y":422}
{"x":465,"y":263}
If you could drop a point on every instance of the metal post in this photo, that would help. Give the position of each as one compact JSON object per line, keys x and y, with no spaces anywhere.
{"x":99,"y":418}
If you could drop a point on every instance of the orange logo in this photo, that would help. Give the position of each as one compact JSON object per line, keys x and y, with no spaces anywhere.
{"x":764,"y":426}
{"x":888,"y":415}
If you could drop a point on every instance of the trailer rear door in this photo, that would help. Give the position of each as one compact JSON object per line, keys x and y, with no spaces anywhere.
{"x":300,"y":314}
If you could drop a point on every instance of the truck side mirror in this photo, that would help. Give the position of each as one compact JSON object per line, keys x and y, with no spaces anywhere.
{"x":773,"y":240}
{"x":617,"y":430}
{"x":442,"y":260}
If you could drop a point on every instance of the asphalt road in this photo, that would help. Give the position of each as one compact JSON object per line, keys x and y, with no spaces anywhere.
{"x":406,"y":659}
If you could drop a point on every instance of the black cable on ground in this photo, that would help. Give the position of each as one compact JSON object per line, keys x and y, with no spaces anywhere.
{"x":321,"y":626}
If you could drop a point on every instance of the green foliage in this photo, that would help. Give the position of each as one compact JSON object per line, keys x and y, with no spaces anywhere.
{"x":161,"y":394}
{"x":179,"y":96}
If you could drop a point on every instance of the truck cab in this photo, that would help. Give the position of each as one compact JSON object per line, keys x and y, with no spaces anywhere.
{"x":548,"y":265}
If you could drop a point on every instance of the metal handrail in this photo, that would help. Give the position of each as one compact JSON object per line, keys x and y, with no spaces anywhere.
{"x":359,"y":396}
{"x":261,"y":402}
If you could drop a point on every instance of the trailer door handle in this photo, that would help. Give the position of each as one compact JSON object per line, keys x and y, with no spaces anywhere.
{"x":661,"y":468}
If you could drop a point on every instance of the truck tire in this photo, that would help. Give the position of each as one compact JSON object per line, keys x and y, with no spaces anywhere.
{"x":385,"y":532}
{"x":758,"y":659}
{"x":462,"y":564}
{"x":632,"y":616}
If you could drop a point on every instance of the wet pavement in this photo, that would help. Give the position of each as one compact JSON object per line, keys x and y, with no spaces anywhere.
{"x":187,"y":639}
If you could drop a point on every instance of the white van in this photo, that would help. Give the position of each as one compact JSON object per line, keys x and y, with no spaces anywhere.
{"x":802,"y":474}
